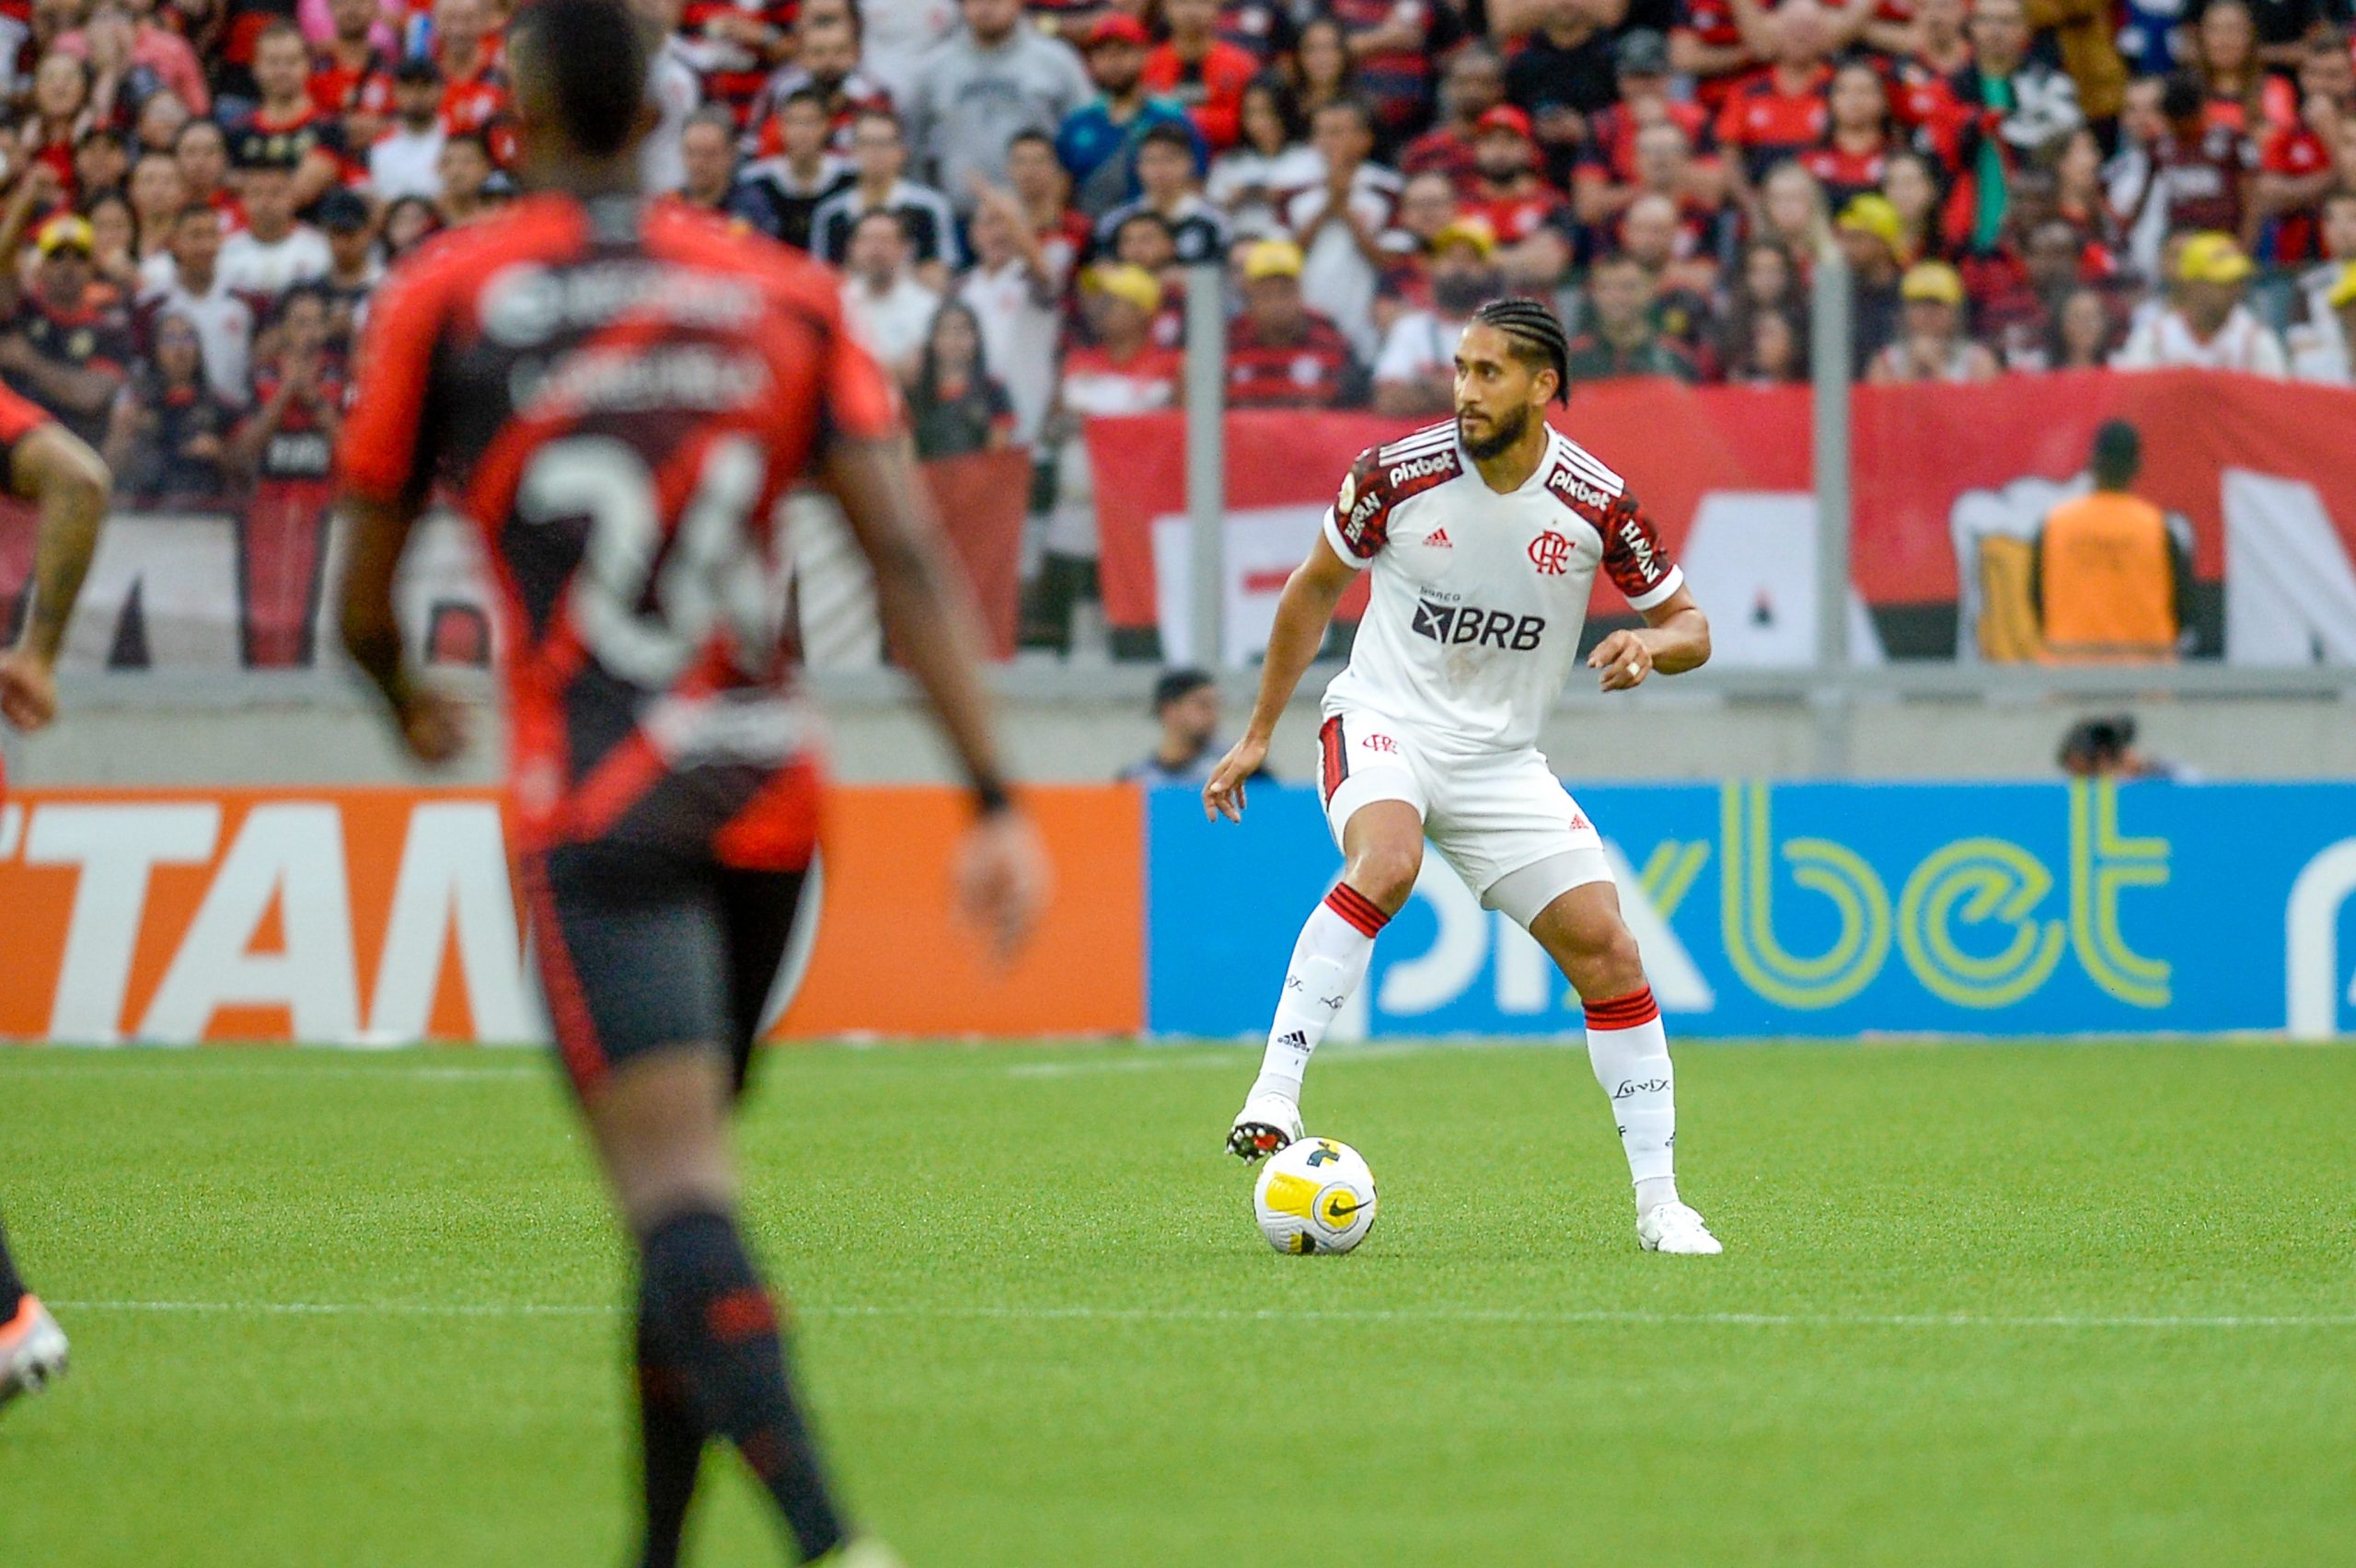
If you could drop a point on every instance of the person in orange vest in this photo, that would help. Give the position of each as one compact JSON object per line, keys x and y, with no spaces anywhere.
{"x":2111,"y":577}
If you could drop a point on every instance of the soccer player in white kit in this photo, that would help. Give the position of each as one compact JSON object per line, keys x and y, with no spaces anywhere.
{"x":1483,"y":535}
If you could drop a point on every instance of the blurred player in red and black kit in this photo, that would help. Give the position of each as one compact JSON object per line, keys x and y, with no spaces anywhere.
{"x":52,"y":468}
{"x":619,"y":393}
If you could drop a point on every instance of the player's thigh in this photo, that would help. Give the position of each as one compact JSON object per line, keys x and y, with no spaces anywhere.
{"x":1365,"y":762}
{"x":1514,"y":833}
{"x":760,"y":912}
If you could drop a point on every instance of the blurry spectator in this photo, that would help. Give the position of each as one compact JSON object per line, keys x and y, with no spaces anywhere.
{"x":826,"y":61}
{"x":1263,"y":29}
{"x":202,"y":154}
{"x":1529,"y":219}
{"x":352,"y":78}
{"x":1621,"y":339}
{"x":157,"y":193}
{"x":1912,"y":191}
{"x":805,"y":172}
{"x":1473,"y":84}
{"x":1338,"y":224}
{"x":708,"y":160}
{"x":1707,"y":45}
{"x":1869,"y":235}
{"x":899,"y":36}
{"x":2298,"y":161}
{"x":352,"y":271}
{"x":466,"y":168}
{"x":1792,"y":211}
{"x":1201,"y":70}
{"x":1270,"y":163}
{"x":1323,"y":63}
{"x":733,"y":45}
{"x":406,"y":159}
{"x":287,"y":129}
{"x":101,"y":162}
{"x":1043,"y":188}
{"x":2322,"y":346}
{"x":1415,"y":376}
{"x":2208,"y":325}
{"x":1767,"y":284}
{"x":1166,"y":174}
{"x":1186,"y":706}
{"x":1567,"y":61}
{"x":882,"y":295}
{"x":955,"y":405}
{"x":195,"y":289}
{"x":2079,"y":198}
{"x":2238,"y":93}
{"x":992,"y":77}
{"x":1860,"y":138}
{"x":1931,"y":344}
{"x":1781,"y":112}
{"x":1609,"y":167}
{"x":112,"y":235}
{"x":1681,"y":284}
{"x":675,"y":89}
{"x":2104,"y":748}
{"x":474,"y":87}
{"x":138,"y":44}
{"x":2110,"y":575}
{"x":288,"y":445}
{"x":61,"y":347}
{"x":1394,"y":45}
{"x":1014,"y":289}
{"x":168,"y":437}
{"x":159,"y":122}
{"x":1118,"y":371}
{"x":1102,"y":140}
{"x":2177,"y":171}
{"x":2085,"y":332}
{"x":2016,"y":108}
{"x":2026,"y":335}
{"x":2083,"y":35}
{"x":1772,"y":352}
{"x":879,"y":156}
{"x":409,"y":222}
{"x":1142,"y":238}
{"x":1281,"y":352}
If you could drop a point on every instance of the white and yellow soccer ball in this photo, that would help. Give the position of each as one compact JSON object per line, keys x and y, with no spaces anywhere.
{"x":1314,"y":1195}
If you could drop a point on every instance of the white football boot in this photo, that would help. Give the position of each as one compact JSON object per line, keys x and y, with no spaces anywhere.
{"x":33,"y":1351}
{"x":1674,"y":1228}
{"x":1267,"y":1124}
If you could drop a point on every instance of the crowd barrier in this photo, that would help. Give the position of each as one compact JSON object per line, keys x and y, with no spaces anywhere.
{"x":1949,"y":484}
{"x":385,"y":916}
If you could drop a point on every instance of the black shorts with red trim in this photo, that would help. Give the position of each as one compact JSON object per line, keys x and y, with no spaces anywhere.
{"x":641,"y":951}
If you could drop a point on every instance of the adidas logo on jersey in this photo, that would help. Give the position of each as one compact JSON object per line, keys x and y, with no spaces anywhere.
{"x":1422,"y":468}
{"x":1439,"y":540}
{"x":1458,"y":624}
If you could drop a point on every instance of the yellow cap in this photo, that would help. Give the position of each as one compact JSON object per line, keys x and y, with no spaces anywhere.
{"x":1125,"y":281}
{"x":2343,"y":288}
{"x":1933,"y":280}
{"x":1272,"y":259}
{"x":1470,"y":229}
{"x":2211,"y":259}
{"x":1874,"y":215}
{"x":65,"y":230}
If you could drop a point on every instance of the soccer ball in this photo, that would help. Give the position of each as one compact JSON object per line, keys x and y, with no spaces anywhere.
{"x":1314,"y":1195}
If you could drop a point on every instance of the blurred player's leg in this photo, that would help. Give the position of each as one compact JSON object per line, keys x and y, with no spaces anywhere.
{"x":1628,"y":1048}
{"x":32,"y":1347}
{"x":1383,"y":841}
{"x":670,"y":1440}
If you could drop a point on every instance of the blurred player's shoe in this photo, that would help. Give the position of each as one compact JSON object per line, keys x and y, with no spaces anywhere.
{"x":33,"y":1351}
{"x":864,"y":1552}
{"x":1673,"y":1227}
{"x":1267,"y":1124}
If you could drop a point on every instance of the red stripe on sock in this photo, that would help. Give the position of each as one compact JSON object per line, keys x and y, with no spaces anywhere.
{"x":1356,"y":908}
{"x":741,"y":1314}
{"x":1635,"y":1008}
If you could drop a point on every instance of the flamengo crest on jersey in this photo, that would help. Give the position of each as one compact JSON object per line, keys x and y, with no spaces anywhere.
{"x":1472,"y":623}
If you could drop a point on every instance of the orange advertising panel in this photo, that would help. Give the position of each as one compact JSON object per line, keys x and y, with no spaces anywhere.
{"x":359,"y":916}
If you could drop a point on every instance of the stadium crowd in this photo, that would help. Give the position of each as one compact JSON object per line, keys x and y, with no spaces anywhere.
{"x":201,"y":194}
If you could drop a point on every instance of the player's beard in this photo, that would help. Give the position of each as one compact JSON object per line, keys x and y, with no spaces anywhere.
{"x":1504,"y":431}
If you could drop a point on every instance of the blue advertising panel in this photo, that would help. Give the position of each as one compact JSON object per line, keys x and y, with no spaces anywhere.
{"x":1822,"y":910}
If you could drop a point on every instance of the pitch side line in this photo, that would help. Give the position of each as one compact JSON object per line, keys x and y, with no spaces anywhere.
{"x":1467,"y":1316}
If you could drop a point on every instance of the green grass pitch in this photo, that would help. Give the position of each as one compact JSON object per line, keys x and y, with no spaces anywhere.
{"x":2050,"y":1304}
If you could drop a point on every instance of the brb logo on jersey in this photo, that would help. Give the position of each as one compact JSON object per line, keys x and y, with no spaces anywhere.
{"x":1551,"y":553}
{"x":1460,"y":624}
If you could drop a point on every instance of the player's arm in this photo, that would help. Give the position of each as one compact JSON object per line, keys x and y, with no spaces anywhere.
{"x":67,"y":485}
{"x":1674,"y":639}
{"x":431,"y":723}
{"x":1303,"y":612}
{"x":929,"y":617}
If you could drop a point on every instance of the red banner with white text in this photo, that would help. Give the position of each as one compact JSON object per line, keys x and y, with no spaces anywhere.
{"x":1942,"y":477}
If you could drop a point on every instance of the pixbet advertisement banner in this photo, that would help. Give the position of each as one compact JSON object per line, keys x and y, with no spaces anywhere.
{"x":1819,"y":909}
{"x":2258,"y":469}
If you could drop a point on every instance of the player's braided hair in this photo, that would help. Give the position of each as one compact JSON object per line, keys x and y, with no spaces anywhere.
{"x":1537,"y":337}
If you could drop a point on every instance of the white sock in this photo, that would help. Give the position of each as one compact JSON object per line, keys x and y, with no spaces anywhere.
{"x":1328,"y":962}
{"x":1629,"y":1051}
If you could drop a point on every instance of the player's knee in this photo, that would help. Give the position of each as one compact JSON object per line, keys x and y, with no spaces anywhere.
{"x":1610,"y":961}
{"x":1386,"y":873}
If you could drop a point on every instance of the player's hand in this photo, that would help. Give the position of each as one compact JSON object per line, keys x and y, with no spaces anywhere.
{"x":1623,"y":659}
{"x":1223,"y":796}
{"x":1003,"y":881}
{"x":434,"y":726}
{"x":27,"y":690}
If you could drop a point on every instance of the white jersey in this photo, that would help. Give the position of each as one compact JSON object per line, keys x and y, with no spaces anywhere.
{"x":1478,"y":598}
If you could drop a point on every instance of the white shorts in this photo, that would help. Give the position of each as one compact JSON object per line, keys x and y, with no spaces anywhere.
{"x":1501,"y":819}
